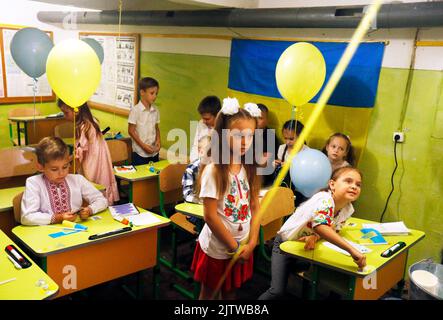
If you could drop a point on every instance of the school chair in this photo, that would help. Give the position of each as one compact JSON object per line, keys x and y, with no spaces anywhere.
{"x":170,"y":182}
{"x":118,"y":150}
{"x":19,"y":112}
{"x":64,"y":130}
{"x":17,"y":203}
{"x":17,"y":165}
{"x":280,"y":206}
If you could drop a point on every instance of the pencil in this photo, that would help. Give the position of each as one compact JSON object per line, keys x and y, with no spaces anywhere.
{"x":6,"y":281}
{"x":62,"y":227}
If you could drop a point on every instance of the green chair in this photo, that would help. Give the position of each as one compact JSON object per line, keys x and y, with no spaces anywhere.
{"x":170,"y":191}
{"x":281,"y":205}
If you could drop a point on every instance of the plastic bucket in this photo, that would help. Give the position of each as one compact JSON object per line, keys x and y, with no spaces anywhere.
{"x":426,"y":281}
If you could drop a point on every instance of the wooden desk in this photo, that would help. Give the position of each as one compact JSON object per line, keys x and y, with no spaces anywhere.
{"x":26,"y":286}
{"x":143,"y":185}
{"x":44,"y":127}
{"x":339,"y":271}
{"x":7,"y":221}
{"x":92,"y":261}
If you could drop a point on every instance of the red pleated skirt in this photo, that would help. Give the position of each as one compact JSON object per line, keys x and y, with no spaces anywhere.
{"x":209,"y":271}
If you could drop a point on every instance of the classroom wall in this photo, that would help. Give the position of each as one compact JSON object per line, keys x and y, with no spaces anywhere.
{"x":188,"y":69}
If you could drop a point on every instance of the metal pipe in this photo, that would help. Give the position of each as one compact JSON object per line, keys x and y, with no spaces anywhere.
{"x":394,"y":15}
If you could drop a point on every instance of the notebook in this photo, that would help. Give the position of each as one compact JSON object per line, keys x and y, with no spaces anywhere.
{"x":389,"y":229}
{"x":124,"y":169}
{"x":371,"y":237}
{"x":357,"y":246}
{"x":124,"y":210}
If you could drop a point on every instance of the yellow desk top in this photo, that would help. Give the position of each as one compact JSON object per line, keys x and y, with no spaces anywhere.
{"x":37,"y":118}
{"x":37,"y":238}
{"x":191,"y":209}
{"x":26,"y":285}
{"x":143,"y":172}
{"x":325,"y":256}
{"x":8,"y":194}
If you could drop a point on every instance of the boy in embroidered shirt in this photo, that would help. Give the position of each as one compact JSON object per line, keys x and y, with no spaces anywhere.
{"x":143,"y":124}
{"x":55,"y":195}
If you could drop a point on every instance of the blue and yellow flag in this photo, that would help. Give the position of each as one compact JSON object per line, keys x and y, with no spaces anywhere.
{"x":252,"y":79}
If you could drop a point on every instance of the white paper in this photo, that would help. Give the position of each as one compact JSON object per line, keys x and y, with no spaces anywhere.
{"x":143,"y":219}
{"x":357,"y":246}
{"x":389,"y":228}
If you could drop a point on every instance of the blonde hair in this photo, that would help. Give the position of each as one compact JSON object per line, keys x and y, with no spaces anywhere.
{"x":51,"y":148}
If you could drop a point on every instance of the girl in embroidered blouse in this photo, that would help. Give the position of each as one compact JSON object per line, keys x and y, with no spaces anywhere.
{"x":229,"y":188}
{"x":91,"y":150}
{"x":55,"y":195}
{"x":339,"y":150}
{"x":321,"y":217}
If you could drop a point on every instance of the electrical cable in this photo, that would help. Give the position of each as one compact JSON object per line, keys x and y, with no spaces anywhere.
{"x":392,"y":177}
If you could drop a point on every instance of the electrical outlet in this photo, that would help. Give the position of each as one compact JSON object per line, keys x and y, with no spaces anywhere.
{"x":399,"y":135}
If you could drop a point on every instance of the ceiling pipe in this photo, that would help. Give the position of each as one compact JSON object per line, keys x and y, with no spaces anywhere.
{"x":393,"y":15}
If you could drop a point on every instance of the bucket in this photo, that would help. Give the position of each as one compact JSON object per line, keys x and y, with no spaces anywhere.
{"x":426,"y":281}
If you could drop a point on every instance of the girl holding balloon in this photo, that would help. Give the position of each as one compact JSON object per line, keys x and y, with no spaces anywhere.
{"x":321,"y":217}
{"x":91,"y":149}
{"x":291,"y":130}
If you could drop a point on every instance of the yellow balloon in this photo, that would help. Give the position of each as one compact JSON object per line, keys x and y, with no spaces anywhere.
{"x":300,"y":73}
{"x":73,"y":71}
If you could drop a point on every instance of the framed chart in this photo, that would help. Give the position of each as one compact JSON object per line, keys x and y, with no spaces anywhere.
{"x":117,"y":92}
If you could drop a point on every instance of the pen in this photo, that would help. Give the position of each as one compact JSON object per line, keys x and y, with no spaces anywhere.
{"x":109,"y":233}
{"x":15,"y":253}
{"x":16,"y":265}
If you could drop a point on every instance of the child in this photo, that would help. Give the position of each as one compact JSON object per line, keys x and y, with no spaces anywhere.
{"x":321,"y":217}
{"x":339,"y":150}
{"x":91,"y":150}
{"x":263,"y":136}
{"x":189,"y":180}
{"x":291,"y":131}
{"x":208,"y":109}
{"x":55,"y":195}
{"x":229,"y":190}
{"x":143,"y":124}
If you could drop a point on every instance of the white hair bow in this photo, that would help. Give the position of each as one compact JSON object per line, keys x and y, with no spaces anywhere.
{"x":253,"y":109}
{"x":230,"y":106}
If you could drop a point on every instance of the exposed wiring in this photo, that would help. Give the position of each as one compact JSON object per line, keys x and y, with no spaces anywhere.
{"x":392,"y":179}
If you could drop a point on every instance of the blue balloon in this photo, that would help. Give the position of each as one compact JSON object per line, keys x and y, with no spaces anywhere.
{"x":30,"y":48}
{"x":94,"y":44}
{"x":310,"y":171}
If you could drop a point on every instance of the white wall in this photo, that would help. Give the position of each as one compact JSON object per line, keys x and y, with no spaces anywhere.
{"x":397,"y":54}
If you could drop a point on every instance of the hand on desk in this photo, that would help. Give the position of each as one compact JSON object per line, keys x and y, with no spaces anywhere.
{"x":85,"y":213}
{"x":309,"y":241}
{"x":359,"y":259}
{"x":70,"y":216}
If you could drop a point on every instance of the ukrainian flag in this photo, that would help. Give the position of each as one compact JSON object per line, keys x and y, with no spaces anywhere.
{"x":252,"y":79}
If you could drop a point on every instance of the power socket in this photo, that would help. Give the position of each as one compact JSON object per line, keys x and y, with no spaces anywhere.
{"x":400,"y":136}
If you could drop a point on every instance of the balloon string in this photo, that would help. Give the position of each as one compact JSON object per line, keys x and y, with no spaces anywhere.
{"x":321,"y":103}
{"x":120,"y":8}
{"x":74,"y":145}
{"x":34,"y":89}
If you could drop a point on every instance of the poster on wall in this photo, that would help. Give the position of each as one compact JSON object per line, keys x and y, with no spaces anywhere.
{"x":18,"y":83}
{"x":2,"y":93}
{"x":119,"y":70}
